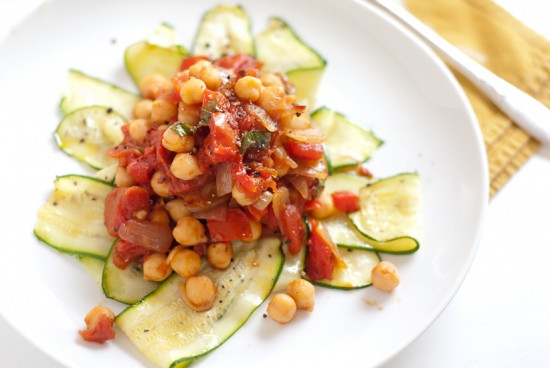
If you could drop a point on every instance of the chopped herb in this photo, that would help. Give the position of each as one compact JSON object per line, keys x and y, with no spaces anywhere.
{"x":256,"y":139}
{"x":183,"y":129}
{"x":109,"y":110}
{"x":208,"y":109}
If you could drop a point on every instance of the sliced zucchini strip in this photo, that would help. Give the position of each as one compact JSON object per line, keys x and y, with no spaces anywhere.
{"x":389,"y":215}
{"x":84,"y":90}
{"x":71,"y":221}
{"x":224,"y":30}
{"x":88,"y":133}
{"x":170,"y":333}
{"x":108,"y":173}
{"x":293,"y":268}
{"x":357,"y":274}
{"x":161,"y":53}
{"x":94,"y":267}
{"x":281,"y":51}
{"x":347,"y":143}
{"x":126,"y":286}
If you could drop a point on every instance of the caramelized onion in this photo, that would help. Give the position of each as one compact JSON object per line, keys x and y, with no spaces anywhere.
{"x":323,"y":233}
{"x":224,"y":181}
{"x":300,"y":183}
{"x":152,"y":236}
{"x":311,"y":169}
{"x":216,"y":212}
{"x":309,"y":135}
{"x":262,"y":117}
{"x":264,"y":201}
{"x":280,"y":200}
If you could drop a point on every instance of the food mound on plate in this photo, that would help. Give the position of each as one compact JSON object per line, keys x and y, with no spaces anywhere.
{"x":221,"y":152}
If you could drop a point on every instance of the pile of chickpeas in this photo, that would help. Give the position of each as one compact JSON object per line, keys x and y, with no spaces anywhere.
{"x":199,"y":292}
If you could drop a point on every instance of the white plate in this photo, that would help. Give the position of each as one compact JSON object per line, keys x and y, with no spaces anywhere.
{"x":377,"y":75}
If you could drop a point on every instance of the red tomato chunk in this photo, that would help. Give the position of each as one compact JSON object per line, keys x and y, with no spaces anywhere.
{"x":320,"y":260}
{"x":99,"y":325}
{"x":345,"y":201}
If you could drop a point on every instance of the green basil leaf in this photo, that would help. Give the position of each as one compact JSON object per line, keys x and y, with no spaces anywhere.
{"x":183,"y":129}
{"x":256,"y":139}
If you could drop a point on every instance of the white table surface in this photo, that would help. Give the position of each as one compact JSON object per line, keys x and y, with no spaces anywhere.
{"x":500,"y":317}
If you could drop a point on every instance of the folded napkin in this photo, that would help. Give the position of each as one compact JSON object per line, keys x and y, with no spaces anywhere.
{"x":493,"y":37}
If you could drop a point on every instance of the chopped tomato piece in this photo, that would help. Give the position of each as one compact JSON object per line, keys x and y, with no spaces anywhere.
{"x":99,"y":325}
{"x":320,"y":260}
{"x":123,"y":204}
{"x":191,"y":60}
{"x":235,"y":227}
{"x":255,"y":213}
{"x":304,"y":151}
{"x":345,"y":201}
{"x":238,"y":62}
{"x":312,"y":205}
{"x":221,"y":143}
{"x":364,"y":171}
{"x":126,"y":253}
{"x":293,"y":228}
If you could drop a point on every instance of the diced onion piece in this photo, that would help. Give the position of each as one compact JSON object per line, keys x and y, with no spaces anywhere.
{"x":262,"y":117}
{"x":152,"y":236}
{"x":224,"y":181}
{"x":280,"y":200}
{"x":311,"y":169}
{"x":216,"y":212}
{"x":309,"y":135}
{"x":300,"y":183}
{"x":323,"y":233}
{"x":264,"y":201}
{"x":281,"y":154}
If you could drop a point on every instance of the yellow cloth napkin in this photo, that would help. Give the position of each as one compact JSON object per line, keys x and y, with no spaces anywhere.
{"x":493,"y":37}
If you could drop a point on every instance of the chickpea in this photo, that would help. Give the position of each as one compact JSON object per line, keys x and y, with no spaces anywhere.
{"x":152,"y":85}
{"x":163,"y":111}
{"x":155,"y":267}
{"x":248,"y":88}
{"x":185,"y":166}
{"x":185,"y":262}
{"x":192,"y":91}
{"x":159,"y":216}
{"x":241,"y":197}
{"x":138,"y":129}
{"x":272,"y":100}
{"x":177,"y":209}
{"x":160,"y":184}
{"x":326,"y":208}
{"x":142,"y":110}
{"x":189,"y":231}
{"x":211,"y":77}
{"x":122,"y":178}
{"x":196,"y":69}
{"x":174,"y":142}
{"x":256,"y":228}
{"x":219,"y":254}
{"x":294,"y":122}
{"x":303,"y":293}
{"x":281,"y":308}
{"x":385,"y":276}
{"x":270,"y":79}
{"x":204,"y":71}
{"x":199,"y":292}
{"x":189,"y":114}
